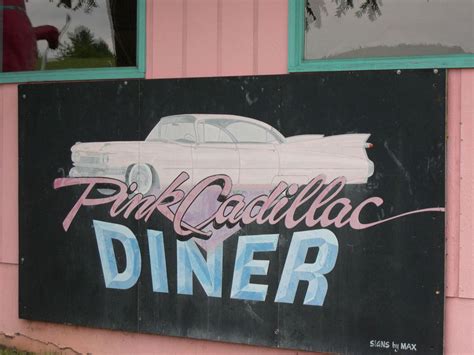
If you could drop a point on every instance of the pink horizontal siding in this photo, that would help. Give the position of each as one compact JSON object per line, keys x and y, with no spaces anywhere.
{"x":200,"y":38}
{"x":459,"y":306}
{"x":453,"y":163}
{"x":237,"y":37}
{"x":193,"y":38}
{"x":8,"y":174}
{"x":460,"y":185}
{"x":459,"y":326}
{"x":272,"y":30}
{"x":466,"y":235}
{"x":164,"y":38}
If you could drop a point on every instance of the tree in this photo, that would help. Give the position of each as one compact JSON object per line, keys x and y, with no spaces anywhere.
{"x":123,"y":15}
{"x":83,"y":44}
{"x":87,"y":5}
{"x":314,"y":10}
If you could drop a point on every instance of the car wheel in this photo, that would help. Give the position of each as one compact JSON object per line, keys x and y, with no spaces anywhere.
{"x":143,"y":176}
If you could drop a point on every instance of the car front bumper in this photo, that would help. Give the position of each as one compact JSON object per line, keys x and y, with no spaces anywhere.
{"x":118,"y":173}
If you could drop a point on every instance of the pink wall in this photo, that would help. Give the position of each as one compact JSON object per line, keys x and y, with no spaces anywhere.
{"x":459,"y":313}
{"x":232,"y":37}
{"x":191,"y":38}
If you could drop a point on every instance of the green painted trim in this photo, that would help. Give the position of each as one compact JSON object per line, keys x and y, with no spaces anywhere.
{"x":295,"y":33}
{"x":297,"y":63}
{"x":68,"y":75}
{"x":91,"y":73}
{"x":141,"y":36}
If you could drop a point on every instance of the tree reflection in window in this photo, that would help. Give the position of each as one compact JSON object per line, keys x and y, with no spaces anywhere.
{"x":338,"y":29}
{"x":65,"y":34}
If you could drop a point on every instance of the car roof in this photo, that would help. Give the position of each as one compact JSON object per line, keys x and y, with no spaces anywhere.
{"x":202,"y":117}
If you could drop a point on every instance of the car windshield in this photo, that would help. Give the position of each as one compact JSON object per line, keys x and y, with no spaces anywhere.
{"x":177,"y":129}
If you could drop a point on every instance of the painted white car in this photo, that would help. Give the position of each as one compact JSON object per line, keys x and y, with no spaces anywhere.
{"x":249,"y":151}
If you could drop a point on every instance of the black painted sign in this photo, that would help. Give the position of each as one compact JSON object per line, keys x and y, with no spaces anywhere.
{"x":299,"y":211}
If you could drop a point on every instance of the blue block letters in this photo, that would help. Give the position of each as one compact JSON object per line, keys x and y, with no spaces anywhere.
{"x":209,"y":273}
{"x":246,"y":266}
{"x":104,"y":233}
{"x":296,"y":269}
{"x":208,"y":269}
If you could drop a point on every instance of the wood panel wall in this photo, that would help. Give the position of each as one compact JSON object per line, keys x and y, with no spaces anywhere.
{"x":194,"y":38}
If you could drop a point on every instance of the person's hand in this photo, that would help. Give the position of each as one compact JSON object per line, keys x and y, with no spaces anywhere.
{"x":49,"y":33}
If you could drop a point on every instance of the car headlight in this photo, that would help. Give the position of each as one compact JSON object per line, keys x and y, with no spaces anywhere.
{"x":75,"y":156}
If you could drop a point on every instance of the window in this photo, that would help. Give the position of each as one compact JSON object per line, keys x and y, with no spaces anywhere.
{"x":245,"y":132}
{"x":46,"y":40}
{"x":174,"y":128}
{"x":212,"y":132}
{"x":376,"y":34}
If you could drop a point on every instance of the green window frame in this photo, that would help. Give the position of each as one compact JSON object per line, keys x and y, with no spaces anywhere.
{"x":91,"y":73}
{"x":297,"y":63}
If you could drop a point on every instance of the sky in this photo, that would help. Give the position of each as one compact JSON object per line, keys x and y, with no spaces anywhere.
{"x":46,"y":12}
{"x":445,"y":22}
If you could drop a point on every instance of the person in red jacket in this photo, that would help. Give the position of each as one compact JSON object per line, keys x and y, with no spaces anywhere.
{"x":20,"y":52}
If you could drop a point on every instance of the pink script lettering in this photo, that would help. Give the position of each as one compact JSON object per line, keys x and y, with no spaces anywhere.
{"x":283,"y":203}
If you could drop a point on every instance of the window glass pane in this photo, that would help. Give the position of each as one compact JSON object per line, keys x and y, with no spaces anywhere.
{"x":179,"y":129}
{"x":336,"y":29}
{"x":179,"y":132}
{"x":249,"y":133}
{"x":65,"y":34}
{"x":212,"y":133}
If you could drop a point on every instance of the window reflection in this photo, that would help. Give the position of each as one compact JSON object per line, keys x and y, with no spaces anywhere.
{"x":65,"y":34}
{"x":374,"y":28}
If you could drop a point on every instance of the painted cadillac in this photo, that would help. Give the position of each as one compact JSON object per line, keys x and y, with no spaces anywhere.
{"x":249,"y":151}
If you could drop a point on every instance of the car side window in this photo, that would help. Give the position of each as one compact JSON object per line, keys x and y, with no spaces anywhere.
{"x":212,"y":133}
{"x":182,"y":132}
{"x":245,"y":132}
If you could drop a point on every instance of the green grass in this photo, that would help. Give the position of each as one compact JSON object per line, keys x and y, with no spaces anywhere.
{"x":12,"y":351}
{"x":77,"y":63}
